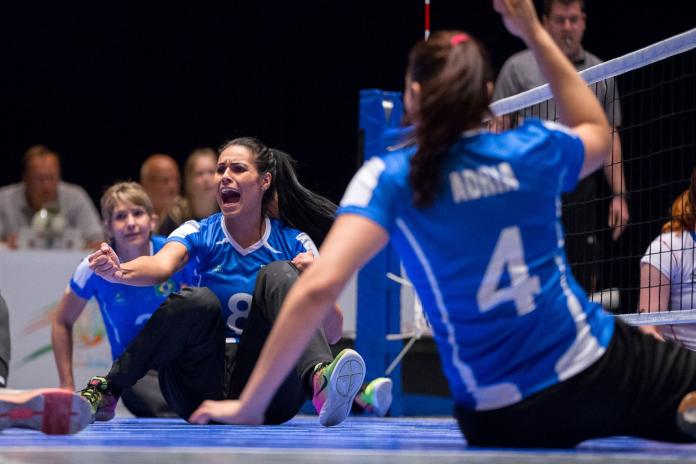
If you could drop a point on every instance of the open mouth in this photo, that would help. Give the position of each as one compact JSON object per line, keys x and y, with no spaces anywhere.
{"x":229,"y":196}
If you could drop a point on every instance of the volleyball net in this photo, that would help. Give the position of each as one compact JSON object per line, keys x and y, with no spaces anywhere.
{"x":649,"y":97}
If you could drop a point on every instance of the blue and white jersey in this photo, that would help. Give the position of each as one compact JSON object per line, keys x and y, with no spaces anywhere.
{"x":487,"y":260}
{"x":230,"y":270}
{"x":125,"y":308}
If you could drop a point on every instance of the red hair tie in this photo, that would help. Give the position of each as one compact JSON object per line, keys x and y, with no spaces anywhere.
{"x":459,"y":38}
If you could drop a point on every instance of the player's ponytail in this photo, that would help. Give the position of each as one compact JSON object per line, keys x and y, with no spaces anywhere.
{"x":454,"y":75}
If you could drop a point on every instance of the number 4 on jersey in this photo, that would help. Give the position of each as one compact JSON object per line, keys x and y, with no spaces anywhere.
{"x":508,"y":253}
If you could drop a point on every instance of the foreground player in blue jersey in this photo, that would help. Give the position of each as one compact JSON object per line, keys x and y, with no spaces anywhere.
{"x":205,"y":341}
{"x":129,"y":220}
{"x":475,"y":217}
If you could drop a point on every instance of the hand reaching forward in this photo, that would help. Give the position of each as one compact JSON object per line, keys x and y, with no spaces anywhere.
{"x":228,"y":412}
{"x":106,"y":264}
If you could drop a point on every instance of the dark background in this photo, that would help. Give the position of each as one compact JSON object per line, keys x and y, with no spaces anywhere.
{"x":105,"y":84}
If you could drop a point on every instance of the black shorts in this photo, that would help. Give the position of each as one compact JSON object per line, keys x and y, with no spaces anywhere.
{"x":634,"y":389}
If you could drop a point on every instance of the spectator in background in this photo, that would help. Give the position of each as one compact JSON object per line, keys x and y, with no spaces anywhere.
{"x":564,"y":20}
{"x":668,"y":270}
{"x":160,"y":177}
{"x":42,"y":187}
{"x":199,"y":183}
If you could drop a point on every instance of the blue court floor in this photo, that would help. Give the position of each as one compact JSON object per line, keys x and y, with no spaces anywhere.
{"x":303,"y":440}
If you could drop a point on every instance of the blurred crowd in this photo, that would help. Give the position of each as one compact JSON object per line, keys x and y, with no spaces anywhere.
{"x":44,"y":211}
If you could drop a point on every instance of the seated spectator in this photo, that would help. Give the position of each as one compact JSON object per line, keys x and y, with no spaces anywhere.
{"x":199,"y":183}
{"x":668,"y":270}
{"x":160,"y":177}
{"x":42,"y":189}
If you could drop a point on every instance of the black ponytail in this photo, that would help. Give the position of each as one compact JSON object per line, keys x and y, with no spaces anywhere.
{"x":298,"y":206}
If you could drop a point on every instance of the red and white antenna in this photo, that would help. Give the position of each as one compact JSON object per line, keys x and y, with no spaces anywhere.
{"x":427,"y":19}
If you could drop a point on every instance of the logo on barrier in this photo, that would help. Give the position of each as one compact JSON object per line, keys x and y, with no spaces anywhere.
{"x":88,"y":333}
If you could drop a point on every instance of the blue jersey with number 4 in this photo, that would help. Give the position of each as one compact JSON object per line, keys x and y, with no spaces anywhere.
{"x":487,"y":260}
{"x":230,"y":270}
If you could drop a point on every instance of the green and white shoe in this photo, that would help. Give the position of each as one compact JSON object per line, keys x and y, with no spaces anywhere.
{"x":376,"y":396}
{"x":335,"y":386}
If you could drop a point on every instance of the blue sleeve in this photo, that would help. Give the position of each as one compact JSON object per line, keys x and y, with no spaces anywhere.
{"x":572,"y":152}
{"x":82,"y":280}
{"x":371,"y":194}
{"x":188,"y":234}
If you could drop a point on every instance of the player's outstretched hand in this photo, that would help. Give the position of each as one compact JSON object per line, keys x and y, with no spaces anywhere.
{"x":106,"y":264}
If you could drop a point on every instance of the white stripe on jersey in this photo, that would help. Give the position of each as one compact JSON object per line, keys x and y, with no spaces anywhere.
{"x":552,"y":125}
{"x":487,"y":397}
{"x":361,"y":188}
{"x":82,"y":273}
{"x":187,"y":228}
{"x":585,"y":349}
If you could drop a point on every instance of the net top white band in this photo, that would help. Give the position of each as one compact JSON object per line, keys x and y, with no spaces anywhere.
{"x":687,"y":316}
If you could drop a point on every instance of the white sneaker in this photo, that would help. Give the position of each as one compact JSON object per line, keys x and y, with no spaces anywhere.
{"x":335,"y":386}
{"x":376,"y":397}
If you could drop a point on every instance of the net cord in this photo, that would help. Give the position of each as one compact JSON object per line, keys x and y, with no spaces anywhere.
{"x":686,"y":316}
